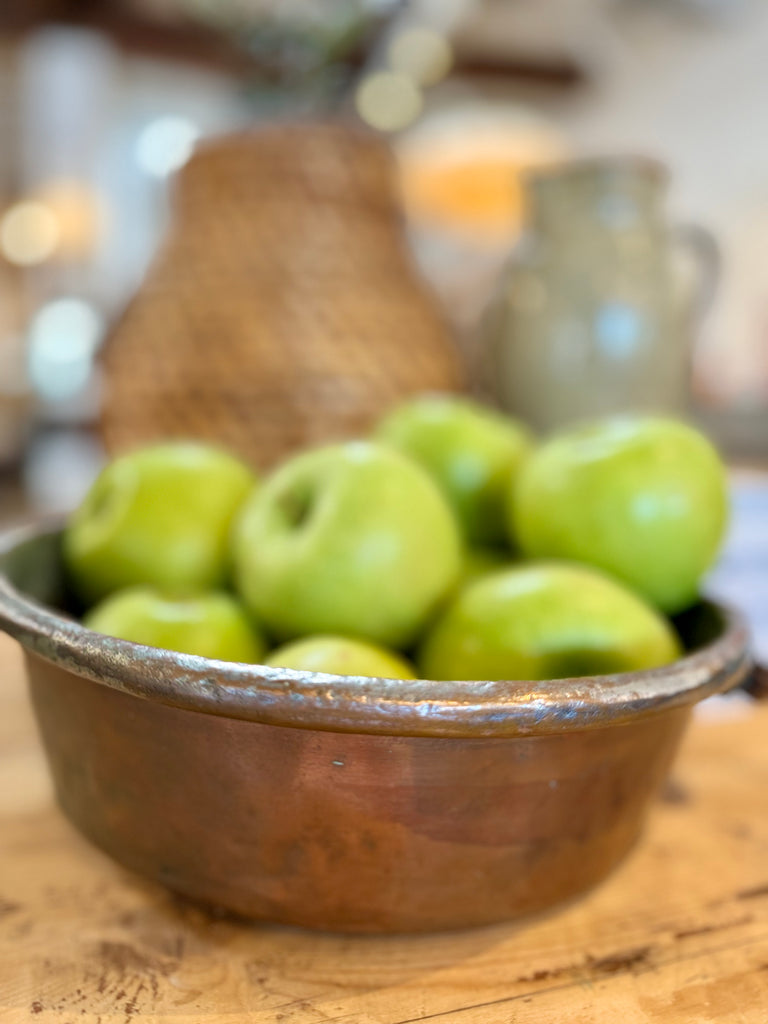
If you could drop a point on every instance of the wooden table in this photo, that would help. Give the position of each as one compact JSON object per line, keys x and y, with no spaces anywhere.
{"x":679,"y":934}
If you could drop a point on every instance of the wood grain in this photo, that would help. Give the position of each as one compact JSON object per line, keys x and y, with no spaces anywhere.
{"x":679,"y":934}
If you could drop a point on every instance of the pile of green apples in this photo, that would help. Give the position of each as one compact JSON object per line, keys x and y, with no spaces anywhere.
{"x":449,"y":545}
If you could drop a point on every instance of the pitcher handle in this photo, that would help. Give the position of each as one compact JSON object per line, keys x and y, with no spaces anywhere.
{"x":703,"y":247}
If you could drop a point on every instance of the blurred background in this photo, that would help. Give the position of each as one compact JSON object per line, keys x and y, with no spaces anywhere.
{"x":101,"y":103}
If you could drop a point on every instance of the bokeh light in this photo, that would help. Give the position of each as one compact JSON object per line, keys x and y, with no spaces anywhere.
{"x":464,"y":174}
{"x":388,"y":100}
{"x":422,"y":54}
{"x":29,"y":233}
{"x":80,"y":215}
{"x":165,"y":145}
{"x":63,"y":339}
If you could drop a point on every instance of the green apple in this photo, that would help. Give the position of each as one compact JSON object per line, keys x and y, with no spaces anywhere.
{"x":341,"y":656}
{"x":211,"y":624}
{"x":644,"y":498}
{"x":352,"y":539}
{"x":161,"y":516}
{"x":471,"y":451}
{"x":546,"y":621}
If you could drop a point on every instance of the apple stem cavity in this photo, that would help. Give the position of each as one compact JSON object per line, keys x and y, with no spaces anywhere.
{"x":296,"y":507}
{"x":101,"y":501}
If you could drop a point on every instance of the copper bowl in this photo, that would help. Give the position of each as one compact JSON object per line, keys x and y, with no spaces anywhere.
{"x":350,"y":804}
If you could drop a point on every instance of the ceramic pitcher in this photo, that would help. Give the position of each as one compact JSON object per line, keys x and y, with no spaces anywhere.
{"x":596,"y":312}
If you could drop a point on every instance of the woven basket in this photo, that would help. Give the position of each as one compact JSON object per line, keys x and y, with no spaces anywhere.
{"x":283,"y":310}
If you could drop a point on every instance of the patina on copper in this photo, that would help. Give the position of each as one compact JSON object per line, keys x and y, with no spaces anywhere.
{"x":350,"y":803}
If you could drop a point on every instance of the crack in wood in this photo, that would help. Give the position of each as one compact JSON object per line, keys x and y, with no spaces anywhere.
{"x":8,"y":907}
{"x":754,"y":893}
{"x":644,"y":967}
{"x":706,"y":929}
{"x":616,"y":962}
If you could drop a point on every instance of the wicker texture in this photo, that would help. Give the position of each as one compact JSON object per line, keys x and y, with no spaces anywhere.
{"x":284,"y":309}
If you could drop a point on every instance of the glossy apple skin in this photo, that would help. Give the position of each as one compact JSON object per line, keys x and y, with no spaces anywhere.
{"x":341,"y":656}
{"x":546,"y":621}
{"x":643,"y":498}
{"x":351,"y":539}
{"x":472,"y":452}
{"x":161,"y":516}
{"x":212,"y":624}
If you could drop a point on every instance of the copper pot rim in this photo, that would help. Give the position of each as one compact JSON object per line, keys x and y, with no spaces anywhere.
{"x":395,"y":707}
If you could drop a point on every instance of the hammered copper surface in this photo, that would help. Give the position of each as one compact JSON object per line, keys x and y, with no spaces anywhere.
{"x":336,"y":803}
